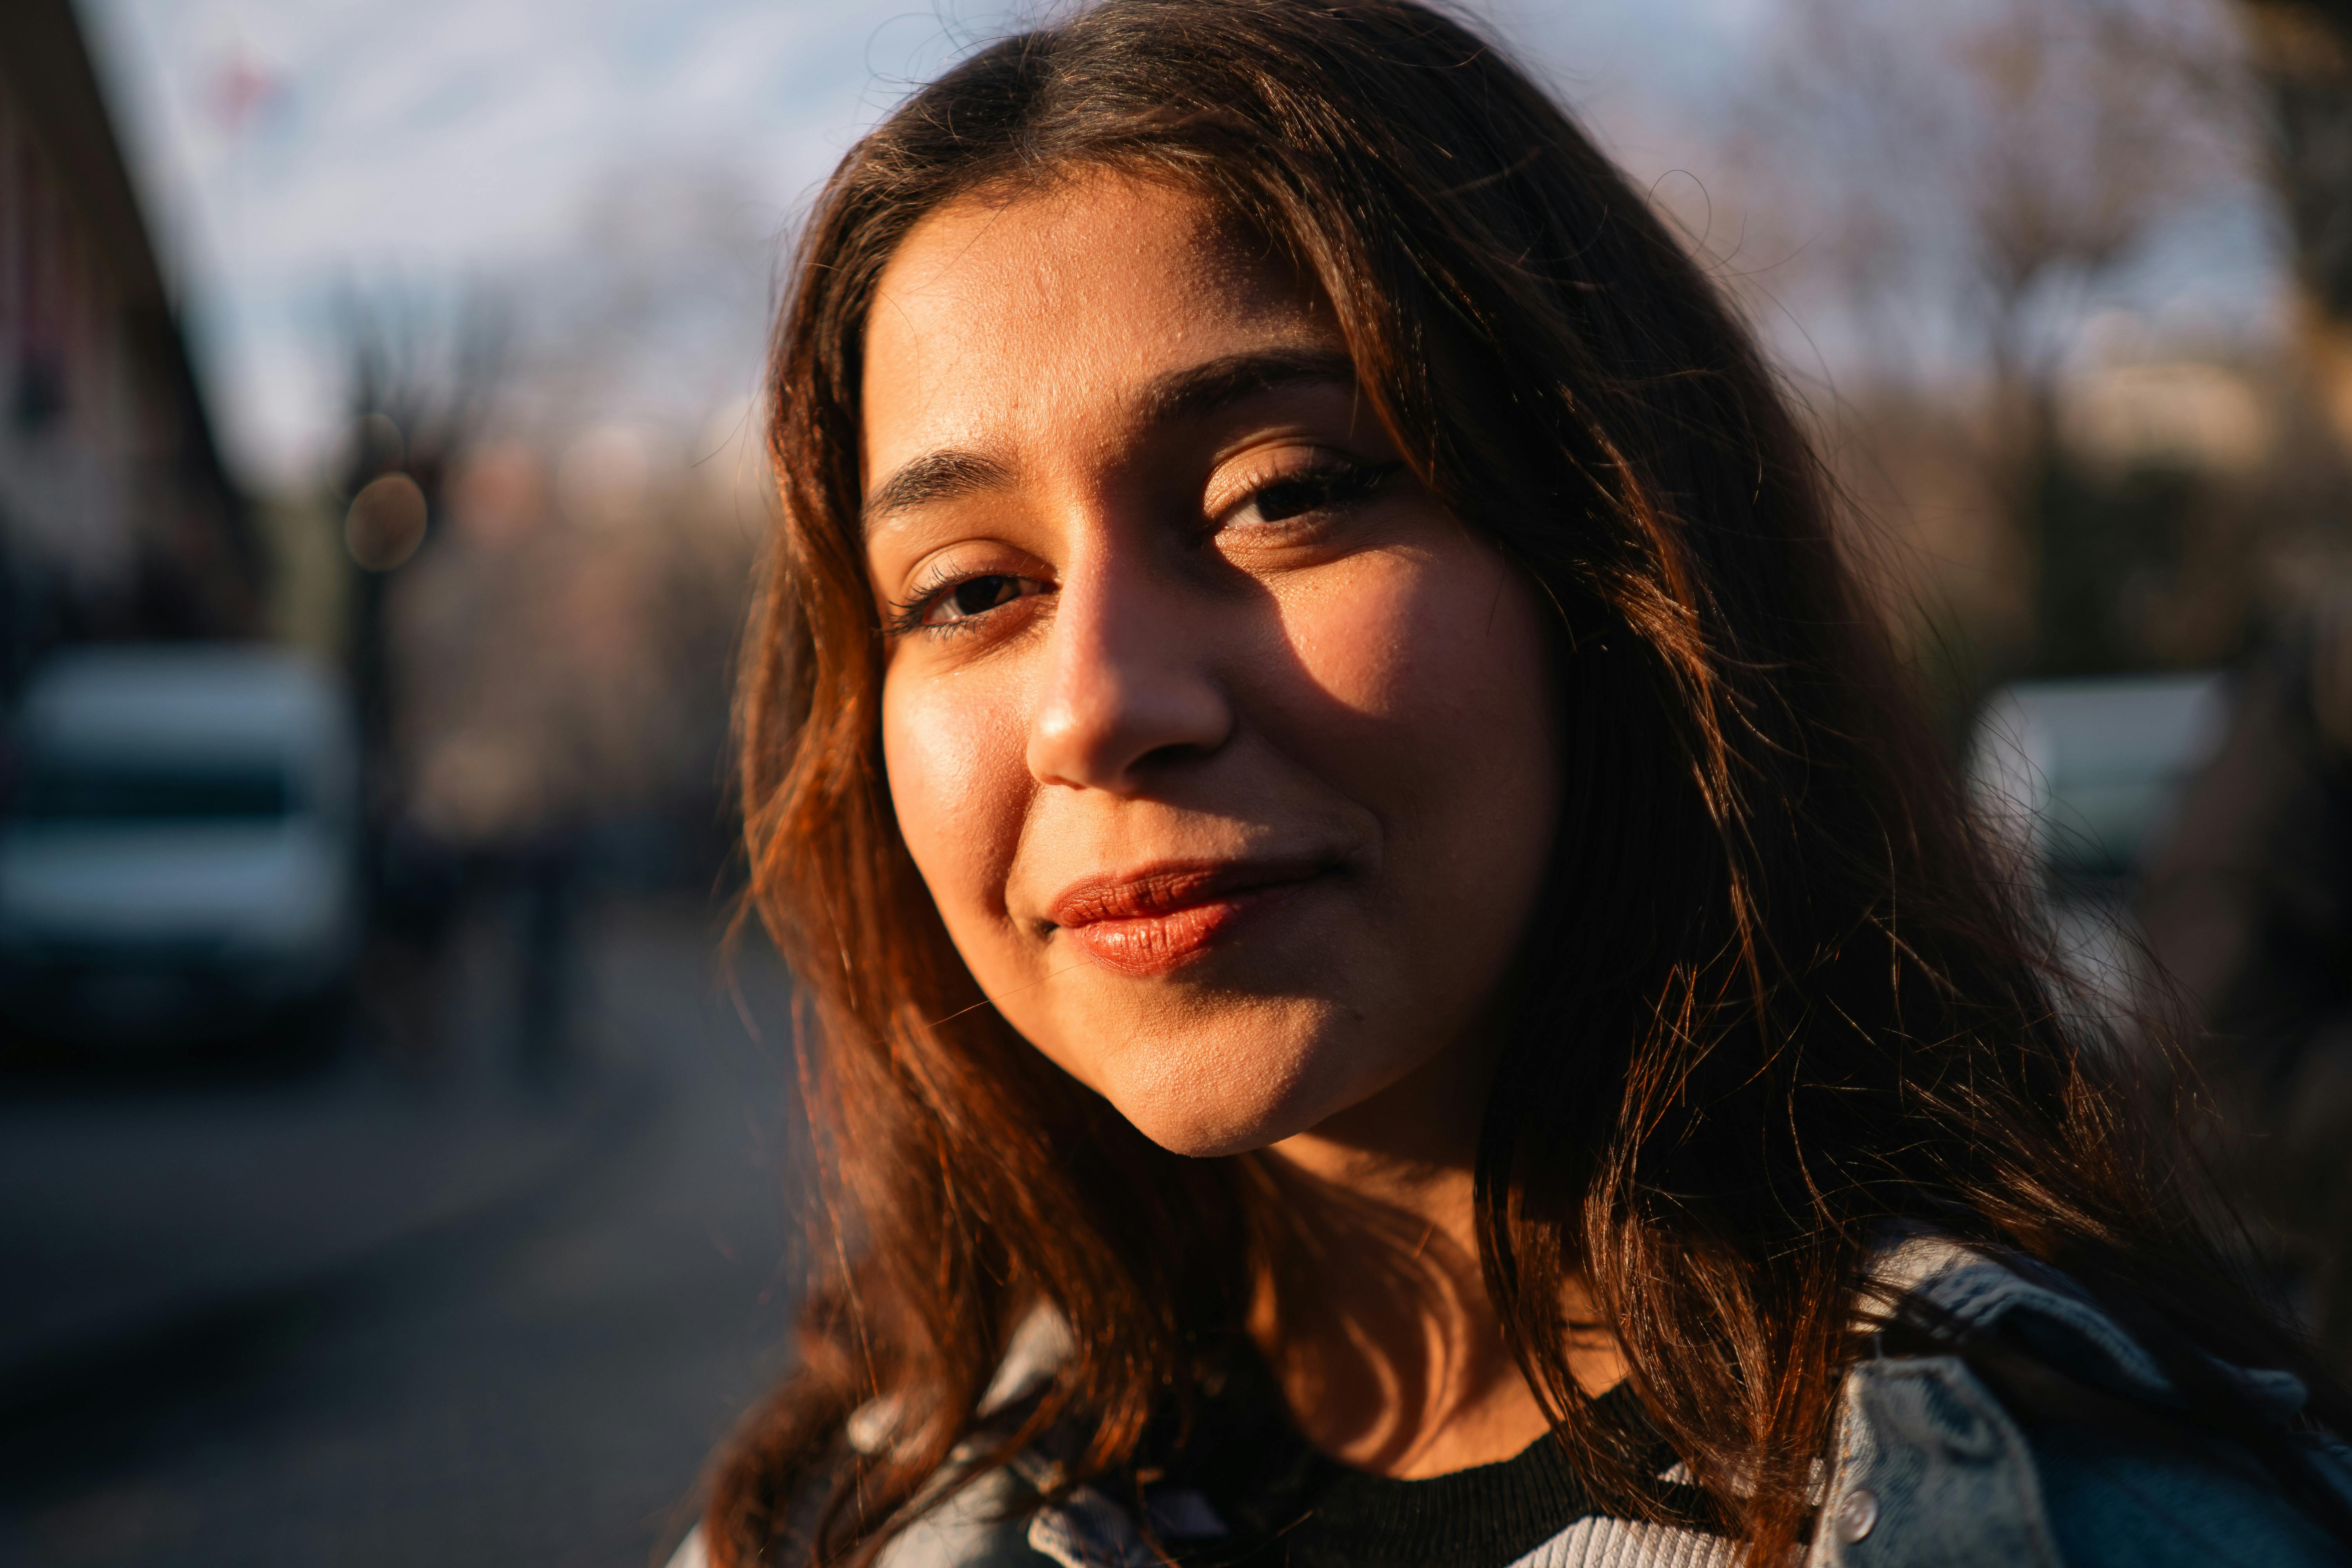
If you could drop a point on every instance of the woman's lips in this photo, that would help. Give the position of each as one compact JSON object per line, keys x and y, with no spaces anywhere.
{"x":1154,"y":922}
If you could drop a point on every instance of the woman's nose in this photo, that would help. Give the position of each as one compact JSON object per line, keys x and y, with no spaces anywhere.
{"x":1130,"y":682}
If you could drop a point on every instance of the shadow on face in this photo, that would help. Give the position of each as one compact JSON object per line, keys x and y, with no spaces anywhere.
{"x":1226,"y":752}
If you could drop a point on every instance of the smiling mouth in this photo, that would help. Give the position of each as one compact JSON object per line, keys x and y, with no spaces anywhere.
{"x":1158,"y":920}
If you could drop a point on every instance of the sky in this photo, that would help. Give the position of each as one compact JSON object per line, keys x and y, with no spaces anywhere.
{"x":620,"y":178}
{"x":292,"y":152}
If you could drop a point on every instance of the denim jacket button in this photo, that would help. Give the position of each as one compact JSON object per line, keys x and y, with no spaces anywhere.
{"x":1857,"y":1516}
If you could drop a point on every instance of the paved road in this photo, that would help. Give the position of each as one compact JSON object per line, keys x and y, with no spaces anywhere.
{"x":357,"y":1318}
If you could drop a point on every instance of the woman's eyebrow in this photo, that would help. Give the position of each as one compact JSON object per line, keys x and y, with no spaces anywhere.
{"x":1198,"y":391}
{"x":946,"y":475}
{"x":1195,"y":391}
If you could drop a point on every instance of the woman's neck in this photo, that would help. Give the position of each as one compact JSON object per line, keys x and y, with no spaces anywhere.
{"x":1376,"y":1317}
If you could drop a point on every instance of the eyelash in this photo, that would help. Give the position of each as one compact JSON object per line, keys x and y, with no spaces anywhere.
{"x":1332,"y":482}
{"x":1329,"y":483}
{"x":908,"y":615}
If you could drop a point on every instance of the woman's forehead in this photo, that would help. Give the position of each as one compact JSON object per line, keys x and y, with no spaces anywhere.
{"x":1073,"y":238}
{"x":1055,"y":313}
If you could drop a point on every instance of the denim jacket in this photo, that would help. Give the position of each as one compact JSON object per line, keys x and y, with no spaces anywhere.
{"x":1928,"y":1469}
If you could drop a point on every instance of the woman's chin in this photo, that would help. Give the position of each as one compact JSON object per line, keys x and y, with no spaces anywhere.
{"x":1213,"y":1110}
{"x":1201,"y":1138}
{"x":1211,"y":1073}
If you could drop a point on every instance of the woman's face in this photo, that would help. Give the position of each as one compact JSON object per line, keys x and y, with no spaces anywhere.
{"x":1224,"y":750}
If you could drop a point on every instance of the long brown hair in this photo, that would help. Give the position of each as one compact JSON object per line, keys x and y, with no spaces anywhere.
{"x":1779,"y":1000}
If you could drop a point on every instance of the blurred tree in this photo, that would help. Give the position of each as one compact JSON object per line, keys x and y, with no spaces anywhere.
{"x":2247,"y":903}
{"x":1963,"y":187}
{"x":421,"y":375}
{"x":420,"y":379}
{"x":549,"y":503}
{"x":2302,"y":57}
{"x":2096,"y":134}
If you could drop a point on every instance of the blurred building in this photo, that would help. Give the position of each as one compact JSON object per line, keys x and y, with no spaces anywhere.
{"x":117,"y":519}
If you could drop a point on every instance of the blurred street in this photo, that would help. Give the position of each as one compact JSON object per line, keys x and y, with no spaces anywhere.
{"x":382,"y":1310}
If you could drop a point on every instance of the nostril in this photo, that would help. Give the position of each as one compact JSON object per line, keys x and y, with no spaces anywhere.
{"x":1173,"y":754}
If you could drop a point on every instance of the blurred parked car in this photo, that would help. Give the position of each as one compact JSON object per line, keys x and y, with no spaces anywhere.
{"x":180,"y":857}
{"x":2081,"y":781}
{"x":2081,"y":775}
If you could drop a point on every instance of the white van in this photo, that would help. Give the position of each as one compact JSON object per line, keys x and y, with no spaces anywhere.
{"x":180,"y":853}
{"x":2081,"y":778}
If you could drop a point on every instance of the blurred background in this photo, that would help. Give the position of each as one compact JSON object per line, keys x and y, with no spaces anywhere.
{"x":396,"y":1157}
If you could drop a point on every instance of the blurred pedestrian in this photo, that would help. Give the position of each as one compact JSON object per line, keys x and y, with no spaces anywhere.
{"x":1397,"y":981}
{"x":419,"y":886}
{"x":2248,"y":906}
{"x":519,"y":735}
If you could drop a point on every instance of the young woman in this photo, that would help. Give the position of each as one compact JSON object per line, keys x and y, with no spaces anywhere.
{"x":1394,"y":980}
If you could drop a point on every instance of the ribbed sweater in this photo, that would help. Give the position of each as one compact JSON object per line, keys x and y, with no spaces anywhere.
{"x":1283,"y":1505}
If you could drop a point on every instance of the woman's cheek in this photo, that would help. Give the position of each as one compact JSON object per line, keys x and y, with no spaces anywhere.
{"x":1352,"y":629}
{"x":954,"y":749}
{"x":1425,"y":689}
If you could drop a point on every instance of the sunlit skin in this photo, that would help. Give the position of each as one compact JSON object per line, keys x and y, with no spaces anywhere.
{"x":1226,"y":752}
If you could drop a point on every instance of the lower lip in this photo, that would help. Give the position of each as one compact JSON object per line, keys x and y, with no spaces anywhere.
{"x":1161,"y":944}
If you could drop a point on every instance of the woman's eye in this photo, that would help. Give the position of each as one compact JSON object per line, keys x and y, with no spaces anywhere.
{"x":964,"y":601}
{"x":1288,"y":497}
{"x":975,"y":596}
{"x":1296,"y":495}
